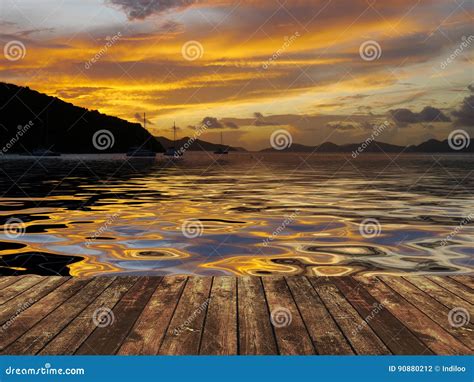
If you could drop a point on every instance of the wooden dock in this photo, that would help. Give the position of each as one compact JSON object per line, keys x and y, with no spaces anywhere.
{"x":237,"y":315}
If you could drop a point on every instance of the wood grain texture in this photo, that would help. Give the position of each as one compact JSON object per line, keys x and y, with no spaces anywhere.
{"x":235,"y":315}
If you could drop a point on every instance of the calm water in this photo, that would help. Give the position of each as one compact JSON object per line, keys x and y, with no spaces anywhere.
{"x":256,"y":214}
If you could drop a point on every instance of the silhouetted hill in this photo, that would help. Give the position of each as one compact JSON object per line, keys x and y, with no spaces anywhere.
{"x":430,"y":146}
{"x":196,"y":145}
{"x":61,"y":126}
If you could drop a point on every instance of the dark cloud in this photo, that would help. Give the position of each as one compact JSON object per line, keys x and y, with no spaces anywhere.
{"x":140,"y":9}
{"x":260,"y":120}
{"x":341,"y":126}
{"x":465,"y":114}
{"x":231,"y":124}
{"x":139,"y":118}
{"x":405,"y":117}
{"x":212,"y":123}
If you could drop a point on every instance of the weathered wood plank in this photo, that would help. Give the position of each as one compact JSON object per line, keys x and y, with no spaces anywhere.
{"x":290,"y":331}
{"x":78,"y":330}
{"x":15,"y":306}
{"x":37,"y":337}
{"x":465,"y":280}
{"x":150,"y":328}
{"x":18,"y":287}
{"x":389,"y":329}
{"x":220,"y":328}
{"x":8,"y":280}
{"x":325,"y":334}
{"x":434,"y":336}
{"x":444,"y":296}
{"x":255,"y":330}
{"x":28,"y":318}
{"x":453,"y":286}
{"x":107,"y":339}
{"x":362,"y":338}
{"x":184,"y":333}
{"x":432,"y":308}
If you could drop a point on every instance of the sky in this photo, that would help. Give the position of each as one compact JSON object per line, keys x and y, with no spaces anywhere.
{"x":329,"y":70}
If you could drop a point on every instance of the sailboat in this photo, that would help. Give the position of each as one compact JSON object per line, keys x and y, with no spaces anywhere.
{"x":43,"y":151}
{"x":136,"y":151}
{"x":171,"y":151}
{"x":222,"y":150}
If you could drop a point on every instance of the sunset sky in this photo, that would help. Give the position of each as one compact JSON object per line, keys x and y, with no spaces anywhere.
{"x":264,"y":65}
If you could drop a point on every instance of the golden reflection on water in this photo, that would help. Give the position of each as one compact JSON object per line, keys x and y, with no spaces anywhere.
{"x":262,"y":217}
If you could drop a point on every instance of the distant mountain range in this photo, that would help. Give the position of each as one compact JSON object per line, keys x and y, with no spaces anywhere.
{"x":61,"y":126}
{"x":195,"y":144}
{"x":430,"y":146}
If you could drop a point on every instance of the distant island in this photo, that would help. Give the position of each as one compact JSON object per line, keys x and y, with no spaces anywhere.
{"x":430,"y":146}
{"x":66,"y":128}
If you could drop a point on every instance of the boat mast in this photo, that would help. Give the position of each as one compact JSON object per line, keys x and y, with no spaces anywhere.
{"x":144,"y":120}
{"x":174,"y":132}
